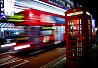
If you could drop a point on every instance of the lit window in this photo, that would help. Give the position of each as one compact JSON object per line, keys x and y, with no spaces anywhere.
{"x":1,"y":1}
{"x":1,"y":5}
{"x":2,"y":9}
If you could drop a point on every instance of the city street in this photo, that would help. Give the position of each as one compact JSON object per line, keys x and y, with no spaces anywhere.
{"x":48,"y":34}
{"x":41,"y":60}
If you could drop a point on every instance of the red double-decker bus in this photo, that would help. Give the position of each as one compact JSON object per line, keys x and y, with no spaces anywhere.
{"x":37,"y":29}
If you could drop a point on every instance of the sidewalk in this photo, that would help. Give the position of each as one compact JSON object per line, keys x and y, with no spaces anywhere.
{"x":62,"y":62}
{"x":95,"y":56}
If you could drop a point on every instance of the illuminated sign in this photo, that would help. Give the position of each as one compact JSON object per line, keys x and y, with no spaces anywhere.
{"x":75,"y":13}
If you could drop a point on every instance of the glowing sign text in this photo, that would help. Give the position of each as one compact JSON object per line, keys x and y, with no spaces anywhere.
{"x":75,"y":13}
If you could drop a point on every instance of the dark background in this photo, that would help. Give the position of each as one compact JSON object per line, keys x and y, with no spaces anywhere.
{"x":92,"y":5}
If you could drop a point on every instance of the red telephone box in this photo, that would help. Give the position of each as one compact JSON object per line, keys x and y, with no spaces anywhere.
{"x":78,"y":37}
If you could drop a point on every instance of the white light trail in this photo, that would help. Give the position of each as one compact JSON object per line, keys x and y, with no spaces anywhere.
{"x":21,"y":47}
{"x":6,"y":45}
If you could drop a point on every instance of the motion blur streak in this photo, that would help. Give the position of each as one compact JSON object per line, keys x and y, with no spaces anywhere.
{"x":21,"y":47}
{"x":10,"y":44}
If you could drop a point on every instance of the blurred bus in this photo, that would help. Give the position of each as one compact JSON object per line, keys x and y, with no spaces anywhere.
{"x":37,"y":29}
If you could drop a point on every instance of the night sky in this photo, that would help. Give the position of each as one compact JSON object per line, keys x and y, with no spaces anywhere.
{"x":92,"y":5}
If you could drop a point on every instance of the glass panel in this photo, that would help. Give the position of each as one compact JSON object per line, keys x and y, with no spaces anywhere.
{"x":80,"y":27}
{"x":89,"y":22}
{"x":80,"y":32}
{"x":75,"y":38}
{"x":74,"y":27}
{"x":89,"y":27}
{"x":80,"y":21}
{"x":89,"y":32}
{"x":74,"y":24}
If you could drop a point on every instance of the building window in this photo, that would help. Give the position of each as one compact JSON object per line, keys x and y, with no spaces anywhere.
{"x":1,"y":1}
{"x":1,"y":5}
{"x":2,"y":9}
